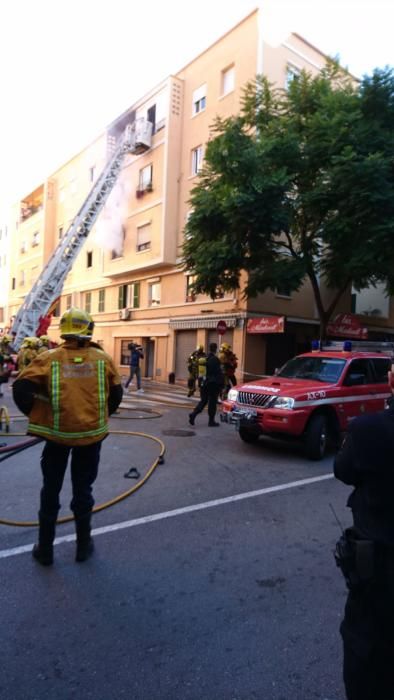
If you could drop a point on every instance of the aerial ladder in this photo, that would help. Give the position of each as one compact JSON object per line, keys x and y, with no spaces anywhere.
{"x":49,"y":284}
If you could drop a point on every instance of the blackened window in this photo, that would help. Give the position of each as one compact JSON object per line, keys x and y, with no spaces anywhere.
{"x":151,"y":114}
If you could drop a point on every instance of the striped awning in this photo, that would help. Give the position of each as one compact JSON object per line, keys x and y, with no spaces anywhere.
{"x":192,"y":322}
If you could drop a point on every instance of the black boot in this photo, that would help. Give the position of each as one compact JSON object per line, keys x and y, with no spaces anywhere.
{"x":85,"y":545}
{"x":43,"y":551}
{"x":191,"y":418}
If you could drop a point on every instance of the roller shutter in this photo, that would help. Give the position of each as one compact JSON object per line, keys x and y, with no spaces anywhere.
{"x":186,"y":342}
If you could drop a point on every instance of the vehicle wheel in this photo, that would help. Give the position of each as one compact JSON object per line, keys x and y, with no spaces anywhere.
{"x":248,"y":435}
{"x":316,"y":437}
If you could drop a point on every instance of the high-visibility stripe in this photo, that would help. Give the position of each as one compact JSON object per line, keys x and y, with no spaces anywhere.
{"x":340,"y":399}
{"x":55,"y":394}
{"x":101,"y":391}
{"x":44,"y":430}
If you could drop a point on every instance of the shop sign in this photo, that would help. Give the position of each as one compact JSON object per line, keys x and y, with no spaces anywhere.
{"x":347,"y":326}
{"x":266,"y":324}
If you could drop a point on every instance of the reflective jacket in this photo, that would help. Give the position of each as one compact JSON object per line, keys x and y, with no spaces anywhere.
{"x":65,"y":393}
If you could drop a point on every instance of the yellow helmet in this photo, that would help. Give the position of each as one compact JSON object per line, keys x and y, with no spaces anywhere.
{"x":76,"y":323}
{"x":6,"y":338}
{"x":45,"y":340}
{"x":224,"y":347}
{"x":30,"y":342}
{"x":200,"y":348}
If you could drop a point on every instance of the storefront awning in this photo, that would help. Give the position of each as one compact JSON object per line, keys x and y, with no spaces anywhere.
{"x":211,"y":321}
{"x":266,"y":324}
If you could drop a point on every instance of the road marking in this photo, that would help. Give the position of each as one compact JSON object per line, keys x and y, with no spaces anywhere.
{"x":5,"y":553}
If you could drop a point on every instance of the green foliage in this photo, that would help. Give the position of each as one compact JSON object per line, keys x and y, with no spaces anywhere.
{"x":299,"y":185}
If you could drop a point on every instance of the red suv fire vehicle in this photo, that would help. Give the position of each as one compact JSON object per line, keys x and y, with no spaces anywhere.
{"x":314,"y":396}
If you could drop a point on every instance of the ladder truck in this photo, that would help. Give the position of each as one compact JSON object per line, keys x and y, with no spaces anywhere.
{"x":136,"y":139}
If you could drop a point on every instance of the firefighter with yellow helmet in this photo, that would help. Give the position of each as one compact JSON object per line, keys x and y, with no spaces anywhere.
{"x":28,"y":351}
{"x":229,"y":363}
{"x":45,"y":343}
{"x":193,"y":368}
{"x":68,"y":394}
{"x":5,"y":359}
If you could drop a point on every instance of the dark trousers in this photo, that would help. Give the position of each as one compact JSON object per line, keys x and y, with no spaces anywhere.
{"x":84,"y":469}
{"x":137,"y":372}
{"x":368,"y":637}
{"x":209,"y":394}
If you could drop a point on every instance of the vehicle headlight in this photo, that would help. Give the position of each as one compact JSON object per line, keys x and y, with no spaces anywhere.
{"x":282,"y":402}
{"x":232,"y":395}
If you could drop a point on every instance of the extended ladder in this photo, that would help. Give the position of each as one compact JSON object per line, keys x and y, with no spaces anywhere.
{"x":49,"y":284}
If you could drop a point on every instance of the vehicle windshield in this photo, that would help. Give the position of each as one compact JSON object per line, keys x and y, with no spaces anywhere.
{"x":321,"y":369}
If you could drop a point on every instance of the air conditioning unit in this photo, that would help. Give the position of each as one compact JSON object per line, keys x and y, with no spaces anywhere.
{"x":124,"y":314}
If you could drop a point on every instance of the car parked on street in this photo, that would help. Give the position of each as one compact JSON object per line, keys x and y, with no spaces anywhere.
{"x":314,"y":396}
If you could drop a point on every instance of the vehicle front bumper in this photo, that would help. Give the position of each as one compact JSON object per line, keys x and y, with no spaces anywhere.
{"x":269,"y":421}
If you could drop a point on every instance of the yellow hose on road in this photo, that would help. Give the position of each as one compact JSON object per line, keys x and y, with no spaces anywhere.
{"x":113,"y":501}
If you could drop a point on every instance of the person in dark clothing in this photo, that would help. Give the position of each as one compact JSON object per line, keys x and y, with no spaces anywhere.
{"x":136,"y":354}
{"x":210,"y":386}
{"x":366,"y":461}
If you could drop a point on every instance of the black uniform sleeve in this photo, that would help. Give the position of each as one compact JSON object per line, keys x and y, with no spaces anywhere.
{"x":114,"y":398}
{"x":345,"y":463}
{"x":23,"y":391}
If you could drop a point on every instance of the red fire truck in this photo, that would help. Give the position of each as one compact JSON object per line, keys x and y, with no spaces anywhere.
{"x":314,"y":396}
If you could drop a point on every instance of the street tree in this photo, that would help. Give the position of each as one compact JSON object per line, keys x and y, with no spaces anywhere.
{"x":299,"y":185}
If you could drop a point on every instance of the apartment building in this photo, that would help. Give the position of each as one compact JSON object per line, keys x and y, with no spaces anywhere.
{"x":128,"y":274}
{"x":4,"y":268}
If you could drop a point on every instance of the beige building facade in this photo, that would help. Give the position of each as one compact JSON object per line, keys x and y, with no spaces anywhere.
{"x":128,"y":274}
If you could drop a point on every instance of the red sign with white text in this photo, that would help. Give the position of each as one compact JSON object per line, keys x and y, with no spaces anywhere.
{"x":266,"y":324}
{"x":347,"y":326}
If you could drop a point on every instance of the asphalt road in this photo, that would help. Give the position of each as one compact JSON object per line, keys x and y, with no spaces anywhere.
{"x":229,"y":592}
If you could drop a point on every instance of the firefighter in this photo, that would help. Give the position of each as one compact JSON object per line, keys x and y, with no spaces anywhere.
{"x":210,"y":385}
{"x":67,"y":394}
{"x":28,"y":351}
{"x":6,"y":361}
{"x":229,"y":363}
{"x":192,"y":368}
{"x":45,"y":343}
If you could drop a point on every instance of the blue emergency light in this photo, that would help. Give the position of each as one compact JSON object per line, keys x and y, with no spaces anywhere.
{"x":347,"y":345}
{"x":315,"y":345}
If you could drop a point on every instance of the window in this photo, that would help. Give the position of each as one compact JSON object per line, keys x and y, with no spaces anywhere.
{"x":143,"y":237}
{"x":36,"y":238}
{"x":92,"y":173}
{"x":101,"y":300}
{"x":145,"y":178}
{"x":60,"y":232}
{"x":292,"y":73}
{"x":154,"y":293}
{"x":135,"y":295}
{"x":22,"y":278}
{"x":118,"y":252}
{"x":89,"y":258}
{"x":151,"y":117}
{"x":190,"y":293}
{"x":68,"y":302}
{"x":381,"y":367}
{"x":56,"y":311}
{"x":23,"y":247}
{"x":358,"y":373}
{"x":228,"y":80}
{"x":199,"y":99}
{"x":13,"y":283}
{"x":122,"y":296}
{"x":283,"y":290}
{"x":197,"y":156}
{"x":88,"y":302}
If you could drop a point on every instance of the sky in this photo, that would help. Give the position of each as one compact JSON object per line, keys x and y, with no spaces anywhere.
{"x":70,"y":67}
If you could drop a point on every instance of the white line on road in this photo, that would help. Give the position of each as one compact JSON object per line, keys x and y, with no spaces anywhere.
{"x":178,"y":511}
